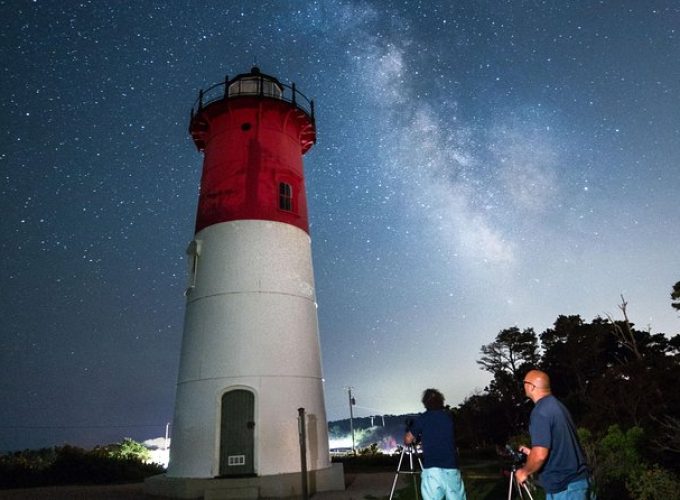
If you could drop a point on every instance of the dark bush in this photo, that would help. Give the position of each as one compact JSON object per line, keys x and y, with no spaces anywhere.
{"x":70,"y":465}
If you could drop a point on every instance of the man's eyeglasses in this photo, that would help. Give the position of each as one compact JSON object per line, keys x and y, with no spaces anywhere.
{"x":530,"y":383}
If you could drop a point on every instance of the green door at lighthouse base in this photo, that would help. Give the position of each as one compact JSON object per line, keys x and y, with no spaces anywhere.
{"x":236,"y":433}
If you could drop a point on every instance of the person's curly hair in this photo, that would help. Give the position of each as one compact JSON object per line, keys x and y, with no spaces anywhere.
{"x":433,"y":399}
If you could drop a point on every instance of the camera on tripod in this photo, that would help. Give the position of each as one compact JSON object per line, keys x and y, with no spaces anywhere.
{"x":517,"y":460}
{"x":517,"y":457}
{"x":415,"y":464}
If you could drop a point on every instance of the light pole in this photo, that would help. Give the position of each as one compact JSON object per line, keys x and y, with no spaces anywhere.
{"x":352,"y":402}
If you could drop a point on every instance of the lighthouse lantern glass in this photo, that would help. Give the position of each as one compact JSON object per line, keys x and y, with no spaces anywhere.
{"x":250,"y":85}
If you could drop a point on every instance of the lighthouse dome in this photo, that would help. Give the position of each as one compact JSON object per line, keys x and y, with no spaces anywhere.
{"x":255,"y":83}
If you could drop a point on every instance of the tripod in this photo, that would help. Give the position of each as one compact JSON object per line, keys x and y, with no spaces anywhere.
{"x":410,"y":450}
{"x":527,"y":486}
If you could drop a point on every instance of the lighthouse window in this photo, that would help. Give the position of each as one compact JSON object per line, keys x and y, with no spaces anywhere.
{"x":255,"y":85}
{"x":285,"y":197}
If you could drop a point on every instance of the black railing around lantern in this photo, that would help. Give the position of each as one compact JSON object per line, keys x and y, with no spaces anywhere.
{"x":253,"y":84}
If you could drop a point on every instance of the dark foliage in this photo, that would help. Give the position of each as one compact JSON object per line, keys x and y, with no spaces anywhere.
{"x":368,"y":462}
{"x":481,"y":422}
{"x":606,"y":372}
{"x":675,"y":296}
{"x":619,"y":383}
{"x":501,"y":411}
{"x":69,"y":465}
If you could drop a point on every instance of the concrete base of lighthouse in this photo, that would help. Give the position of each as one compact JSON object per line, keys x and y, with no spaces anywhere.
{"x":276,"y":486}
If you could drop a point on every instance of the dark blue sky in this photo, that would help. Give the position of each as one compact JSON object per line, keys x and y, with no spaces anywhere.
{"x":479,"y":165}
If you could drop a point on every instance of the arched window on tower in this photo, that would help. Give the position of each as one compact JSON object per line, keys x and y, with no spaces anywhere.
{"x":285,"y":197}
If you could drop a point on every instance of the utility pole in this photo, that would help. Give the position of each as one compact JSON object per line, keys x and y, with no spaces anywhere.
{"x":352,"y":402}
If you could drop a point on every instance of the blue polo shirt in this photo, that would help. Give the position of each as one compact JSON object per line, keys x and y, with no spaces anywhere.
{"x":437,"y":438}
{"x":551,"y":427}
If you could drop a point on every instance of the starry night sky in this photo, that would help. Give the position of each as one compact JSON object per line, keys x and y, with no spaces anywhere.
{"x":479,"y":165}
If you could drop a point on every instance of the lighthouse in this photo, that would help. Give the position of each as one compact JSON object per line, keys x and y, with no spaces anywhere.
{"x":250,"y":359}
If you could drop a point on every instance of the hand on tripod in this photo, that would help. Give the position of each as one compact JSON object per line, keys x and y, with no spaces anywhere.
{"x":524,"y":480}
{"x":520,"y":481}
{"x":522,"y":476}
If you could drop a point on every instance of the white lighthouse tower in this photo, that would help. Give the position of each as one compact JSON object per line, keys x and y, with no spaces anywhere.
{"x":250,"y":351}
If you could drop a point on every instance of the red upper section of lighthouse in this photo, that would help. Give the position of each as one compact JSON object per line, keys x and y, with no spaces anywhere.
{"x":253,"y":131}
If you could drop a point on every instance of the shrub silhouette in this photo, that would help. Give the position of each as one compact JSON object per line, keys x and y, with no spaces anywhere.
{"x":70,"y":465}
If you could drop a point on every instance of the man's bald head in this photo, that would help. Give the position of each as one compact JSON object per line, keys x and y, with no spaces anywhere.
{"x":536,"y":384}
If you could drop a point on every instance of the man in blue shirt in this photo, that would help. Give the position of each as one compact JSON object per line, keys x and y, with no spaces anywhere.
{"x":440,"y":477}
{"x":555,"y":451}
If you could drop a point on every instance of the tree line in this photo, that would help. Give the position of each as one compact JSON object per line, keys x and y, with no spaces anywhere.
{"x":618,"y":381}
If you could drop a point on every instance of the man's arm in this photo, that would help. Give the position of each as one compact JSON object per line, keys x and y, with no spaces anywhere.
{"x":536,"y":457}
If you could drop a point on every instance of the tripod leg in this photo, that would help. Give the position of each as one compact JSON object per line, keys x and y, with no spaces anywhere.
{"x":413,"y":450}
{"x":394,"y":485}
{"x":526,"y":488}
{"x":396,"y":475}
{"x":512,"y":479}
